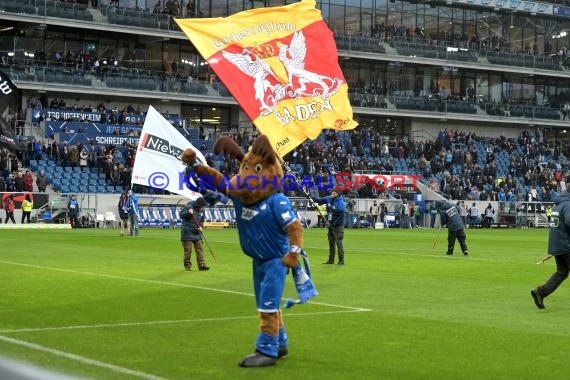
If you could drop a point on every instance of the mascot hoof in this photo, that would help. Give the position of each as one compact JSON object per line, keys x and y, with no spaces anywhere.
{"x":257,"y":360}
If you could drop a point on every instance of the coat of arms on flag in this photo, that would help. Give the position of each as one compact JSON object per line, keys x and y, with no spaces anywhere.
{"x":281,"y":65}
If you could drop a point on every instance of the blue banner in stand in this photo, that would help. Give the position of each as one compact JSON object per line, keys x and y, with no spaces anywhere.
{"x":74,"y":138}
{"x":96,"y":117}
{"x":91,"y":129}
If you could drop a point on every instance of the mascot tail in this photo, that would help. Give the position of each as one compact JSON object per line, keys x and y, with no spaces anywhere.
{"x":305,"y":286}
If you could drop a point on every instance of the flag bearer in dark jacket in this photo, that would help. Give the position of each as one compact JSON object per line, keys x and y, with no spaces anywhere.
{"x":558,"y":246}
{"x":191,"y":232}
{"x":450,"y":217}
{"x":336,"y":207}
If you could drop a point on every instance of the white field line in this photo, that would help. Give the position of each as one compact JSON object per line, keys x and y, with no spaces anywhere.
{"x":155,"y":282}
{"x":168,"y":322}
{"x":408,"y":252}
{"x":81,"y":359}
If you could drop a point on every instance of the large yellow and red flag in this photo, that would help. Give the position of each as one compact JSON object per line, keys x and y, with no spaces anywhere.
{"x":281,"y":65}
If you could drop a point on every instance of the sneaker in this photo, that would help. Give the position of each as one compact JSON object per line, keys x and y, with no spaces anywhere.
{"x":204,"y":268}
{"x":449,"y":253}
{"x":257,"y":360}
{"x":341,"y":262}
{"x":465,"y":253}
{"x":538,"y":299}
{"x":329,"y":262}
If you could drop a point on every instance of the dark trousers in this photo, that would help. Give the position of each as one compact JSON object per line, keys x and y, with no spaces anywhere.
{"x":459,"y":235}
{"x":73,"y":220}
{"x":374,"y":220}
{"x":26,"y":215}
{"x":335,"y":235}
{"x":562,"y":270}
{"x":9,"y":216}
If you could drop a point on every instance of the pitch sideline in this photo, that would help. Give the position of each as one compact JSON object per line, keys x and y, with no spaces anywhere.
{"x":166,"y":322}
{"x":156,"y":282}
{"x":81,"y":359}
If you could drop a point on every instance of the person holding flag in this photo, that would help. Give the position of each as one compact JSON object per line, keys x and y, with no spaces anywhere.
{"x":270,"y":233}
{"x":133,"y":211}
{"x":191,"y":232}
{"x":337,"y":207}
{"x":281,"y":65}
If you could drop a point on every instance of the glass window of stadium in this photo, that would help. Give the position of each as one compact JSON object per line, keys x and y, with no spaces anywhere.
{"x":388,"y":128}
{"x":214,"y":117}
{"x":454,"y":23}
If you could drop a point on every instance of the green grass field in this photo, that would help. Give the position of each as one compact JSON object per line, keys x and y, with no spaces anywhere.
{"x":92,"y":304}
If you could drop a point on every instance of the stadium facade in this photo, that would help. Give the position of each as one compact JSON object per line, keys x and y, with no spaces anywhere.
{"x":487,"y":66}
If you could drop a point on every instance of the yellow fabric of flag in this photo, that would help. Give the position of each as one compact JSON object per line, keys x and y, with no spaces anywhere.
{"x":281,"y":65}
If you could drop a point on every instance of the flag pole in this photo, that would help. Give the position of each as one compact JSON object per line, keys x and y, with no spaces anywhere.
{"x":307,"y":194}
{"x":203,"y":236}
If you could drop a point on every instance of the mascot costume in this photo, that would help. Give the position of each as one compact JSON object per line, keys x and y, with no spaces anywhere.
{"x":269,"y":232}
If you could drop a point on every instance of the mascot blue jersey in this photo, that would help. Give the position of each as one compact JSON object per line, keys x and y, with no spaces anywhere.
{"x":261,"y":226}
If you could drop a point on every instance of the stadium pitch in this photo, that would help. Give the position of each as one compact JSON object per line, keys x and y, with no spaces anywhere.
{"x":92,"y":304}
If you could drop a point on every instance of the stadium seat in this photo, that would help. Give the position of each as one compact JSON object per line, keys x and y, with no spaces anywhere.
{"x":100,"y":220}
{"x":175,"y":217}
{"x":110,"y":219}
{"x":216,"y":215}
{"x":165,"y":220}
{"x":144,"y":219}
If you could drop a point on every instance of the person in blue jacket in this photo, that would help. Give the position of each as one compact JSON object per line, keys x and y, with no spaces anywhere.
{"x":558,"y":246}
{"x":336,"y":207}
{"x":133,"y":211}
{"x":450,"y":217}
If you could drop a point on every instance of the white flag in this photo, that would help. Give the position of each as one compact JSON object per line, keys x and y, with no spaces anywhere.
{"x":157,"y":163}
